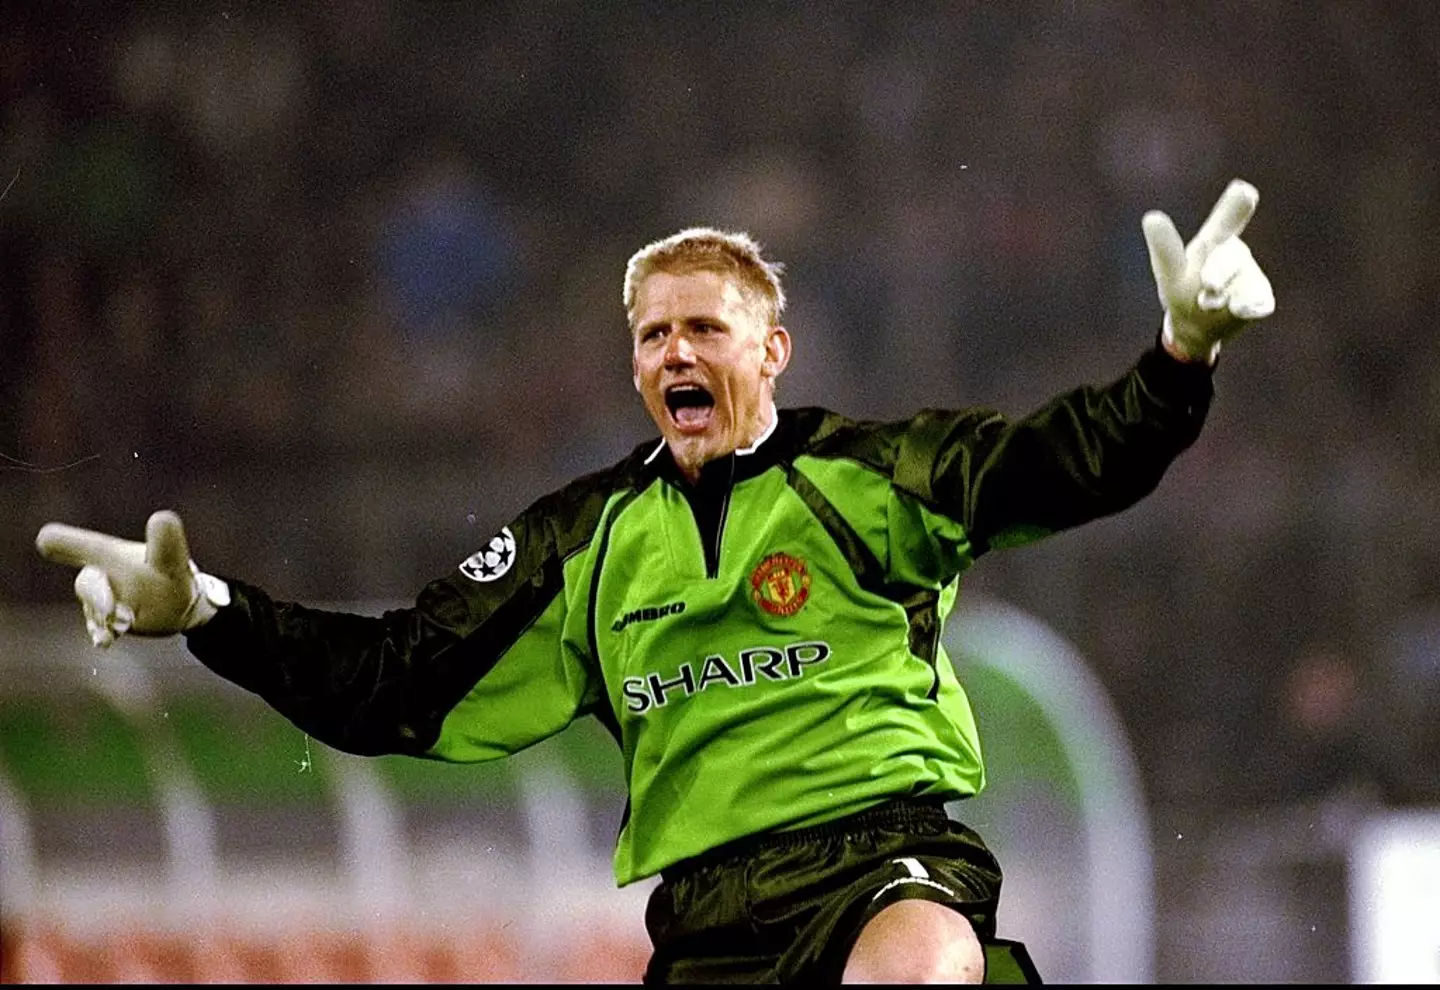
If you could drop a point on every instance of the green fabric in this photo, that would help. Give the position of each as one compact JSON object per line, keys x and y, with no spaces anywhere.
{"x":717,"y":747}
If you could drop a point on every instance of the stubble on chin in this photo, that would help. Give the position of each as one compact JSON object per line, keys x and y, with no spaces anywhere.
{"x":689,"y":453}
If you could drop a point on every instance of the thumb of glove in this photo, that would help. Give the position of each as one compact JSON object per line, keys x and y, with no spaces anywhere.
{"x":1168,"y":261}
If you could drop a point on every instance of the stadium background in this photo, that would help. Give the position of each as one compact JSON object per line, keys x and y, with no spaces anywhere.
{"x":340,"y":284}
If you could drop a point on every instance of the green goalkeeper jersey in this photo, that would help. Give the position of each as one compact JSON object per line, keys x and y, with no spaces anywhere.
{"x":763,"y":645}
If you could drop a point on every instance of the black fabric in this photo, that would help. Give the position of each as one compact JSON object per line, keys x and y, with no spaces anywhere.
{"x":787,"y":907}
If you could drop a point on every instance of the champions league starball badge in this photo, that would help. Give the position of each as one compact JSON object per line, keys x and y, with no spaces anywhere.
{"x":492,"y":560}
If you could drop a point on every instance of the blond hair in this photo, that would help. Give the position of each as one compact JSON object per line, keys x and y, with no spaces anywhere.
{"x":734,"y":254}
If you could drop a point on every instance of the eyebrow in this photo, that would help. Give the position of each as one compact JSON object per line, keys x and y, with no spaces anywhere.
{"x":685,"y":321}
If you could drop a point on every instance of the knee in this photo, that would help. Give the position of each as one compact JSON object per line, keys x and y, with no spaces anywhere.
{"x":916,"y":942}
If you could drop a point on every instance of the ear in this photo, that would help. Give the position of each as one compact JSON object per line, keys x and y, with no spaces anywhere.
{"x":634,"y":370}
{"x":777,"y":352}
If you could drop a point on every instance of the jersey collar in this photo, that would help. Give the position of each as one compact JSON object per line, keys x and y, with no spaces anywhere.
{"x":770,"y":449}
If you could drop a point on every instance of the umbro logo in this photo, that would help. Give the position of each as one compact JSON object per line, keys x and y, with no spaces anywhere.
{"x":647,"y":615}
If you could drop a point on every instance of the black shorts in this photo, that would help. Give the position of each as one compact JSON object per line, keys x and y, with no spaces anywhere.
{"x":787,"y":907}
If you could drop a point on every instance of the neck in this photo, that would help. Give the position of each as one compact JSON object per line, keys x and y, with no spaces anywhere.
{"x":769,"y":417}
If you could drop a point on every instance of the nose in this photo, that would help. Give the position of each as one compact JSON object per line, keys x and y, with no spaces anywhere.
{"x":678,"y":350}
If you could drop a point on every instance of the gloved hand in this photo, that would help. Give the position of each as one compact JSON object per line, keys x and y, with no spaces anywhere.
{"x":150,"y":589}
{"x":1212,"y":287}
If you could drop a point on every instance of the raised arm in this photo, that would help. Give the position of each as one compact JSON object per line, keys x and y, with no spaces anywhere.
{"x":1097,"y":450}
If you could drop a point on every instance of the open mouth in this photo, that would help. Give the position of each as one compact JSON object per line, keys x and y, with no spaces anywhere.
{"x":691,"y":407}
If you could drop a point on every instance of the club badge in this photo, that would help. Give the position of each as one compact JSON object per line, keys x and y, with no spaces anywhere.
{"x":781,"y":584}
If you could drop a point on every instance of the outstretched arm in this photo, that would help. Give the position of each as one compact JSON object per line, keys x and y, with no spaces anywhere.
{"x":473,"y":670}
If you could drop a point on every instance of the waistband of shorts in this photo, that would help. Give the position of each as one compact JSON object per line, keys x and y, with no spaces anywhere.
{"x":897,"y":811}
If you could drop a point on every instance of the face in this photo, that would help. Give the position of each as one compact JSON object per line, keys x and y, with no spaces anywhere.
{"x":705,"y":363}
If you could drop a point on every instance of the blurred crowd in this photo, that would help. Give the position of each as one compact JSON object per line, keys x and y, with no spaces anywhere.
{"x":341,"y":284}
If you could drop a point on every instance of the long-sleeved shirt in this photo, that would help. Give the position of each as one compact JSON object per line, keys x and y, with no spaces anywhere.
{"x":764,"y":645}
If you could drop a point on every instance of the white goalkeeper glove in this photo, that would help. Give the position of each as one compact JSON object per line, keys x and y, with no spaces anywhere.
{"x":150,"y":589}
{"x":1211,"y":288}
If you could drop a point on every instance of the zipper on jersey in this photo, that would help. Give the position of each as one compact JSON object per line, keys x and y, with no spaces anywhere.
{"x":709,"y":501}
{"x":713,"y":569}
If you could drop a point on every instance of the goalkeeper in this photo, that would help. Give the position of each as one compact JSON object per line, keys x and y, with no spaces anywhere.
{"x":751,"y":604}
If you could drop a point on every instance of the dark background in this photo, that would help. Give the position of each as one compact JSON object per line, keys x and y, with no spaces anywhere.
{"x":341,"y":285}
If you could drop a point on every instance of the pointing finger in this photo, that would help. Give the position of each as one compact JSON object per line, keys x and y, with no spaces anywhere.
{"x":78,"y":547}
{"x":1232,"y":211}
{"x":165,"y":547}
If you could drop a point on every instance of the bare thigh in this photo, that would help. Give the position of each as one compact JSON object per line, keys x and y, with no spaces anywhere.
{"x":916,"y":941}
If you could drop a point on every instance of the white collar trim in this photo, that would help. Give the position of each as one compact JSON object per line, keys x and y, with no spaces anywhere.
{"x":742,"y":452}
{"x":774,"y":418}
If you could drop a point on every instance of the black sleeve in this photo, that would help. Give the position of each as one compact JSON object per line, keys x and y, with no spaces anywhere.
{"x":1091,"y":452}
{"x":372,"y":685}
{"x":362,"y":684}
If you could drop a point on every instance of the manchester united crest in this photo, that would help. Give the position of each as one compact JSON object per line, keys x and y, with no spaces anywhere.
{"x":781,"y":584}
